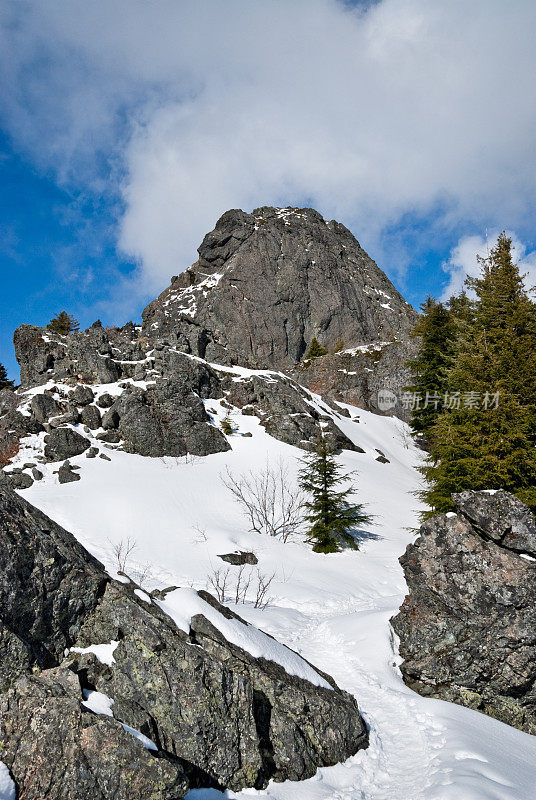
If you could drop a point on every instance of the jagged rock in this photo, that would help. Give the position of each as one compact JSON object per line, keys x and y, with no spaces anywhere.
{"x":91,"y":416}
{"x":245,"y":721}
{"x":501,"y":517}
{"x":110,"y":436}
{"x":66,"y":474}
{"x":48,"y":586}
{"x":285,"y":411}
{"x":82,"y":395}
{"x":468,"y":626}
{"x":237,"y":559}
{"x":266,"y":283}
{"x":213,"y":710}
{"x":20,"y":480}
{"x":92,"y":452}
{"x":71,"y":417}
{"x":63,"y":443}
{"x":37,"y":474}
{"x":105,"y":401}
{"x":167,"y":419}
{"x":55,"y":747}
{"x":110,"y":419}
{"x":43,"y":406}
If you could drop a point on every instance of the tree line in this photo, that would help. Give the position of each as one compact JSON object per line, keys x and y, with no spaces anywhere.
{"x":473,"y":390}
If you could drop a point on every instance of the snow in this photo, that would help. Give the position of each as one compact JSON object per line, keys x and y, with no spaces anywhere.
{"x":104,"y":652}
{"x":7,"y":787}
{"x":333,"y":610}
{"x":182,"y":604}
{"x":100,"y":703}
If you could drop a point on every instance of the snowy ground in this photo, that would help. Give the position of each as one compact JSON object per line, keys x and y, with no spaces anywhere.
{"x":333,"y":609}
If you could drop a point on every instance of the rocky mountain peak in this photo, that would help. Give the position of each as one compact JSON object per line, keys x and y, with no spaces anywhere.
{"x":267,"y":283}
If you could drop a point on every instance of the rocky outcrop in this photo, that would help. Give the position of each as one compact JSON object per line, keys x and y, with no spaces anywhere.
{"x":167,"y":419}
{"x":48,"y":586}
{"x":468,"y":626}
{"x":285,"y":410}
{"x":266,"y":283}
{"x":57,"y":748}
{"x":212,"y":714}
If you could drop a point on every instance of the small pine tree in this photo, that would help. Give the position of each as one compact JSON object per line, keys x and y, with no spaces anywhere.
{"x":316,"y":349}
{"x":474,"y":447}
{"x":330,"y":515}
{"x":5,"y":383}
{"x":227,"y":425}
{"x":63,"y":324}
{"x":437,"y":332}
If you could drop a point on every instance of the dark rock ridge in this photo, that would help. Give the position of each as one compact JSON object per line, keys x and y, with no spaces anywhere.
{"x":468,"y":626}
{"x":265,"y":284}
{"x":216,"y":715}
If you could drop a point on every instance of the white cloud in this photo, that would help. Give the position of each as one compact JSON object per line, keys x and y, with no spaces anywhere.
{"x":412,"y":106}
{"x":463,"y":261}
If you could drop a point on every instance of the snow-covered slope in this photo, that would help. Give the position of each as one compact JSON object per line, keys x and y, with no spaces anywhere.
{"x":333,"y":609}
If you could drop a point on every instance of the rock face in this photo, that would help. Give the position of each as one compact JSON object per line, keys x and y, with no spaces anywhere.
{"x":264,"y":286}
{"x":48,"y":586}
{"x":76,"y":754}
{"x":468,"y":626}
{"x":266,"y":283}
{"x":216,"y":715}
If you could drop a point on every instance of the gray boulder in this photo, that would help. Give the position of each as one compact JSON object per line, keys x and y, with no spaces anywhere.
{"x":20,"y":480}
{"x":91,"y":416}
{"x":63,"y":443}
{"x":81,"y":395}
{"x":66,"y":474}
{"x":167,"y":419}
{"x":500,"y":517}
{"x":214,"y":712}
{"x":57,"y":748}
{"x":468,"y":626}
{"x":43,"y":406}
{"x":240,"y":558}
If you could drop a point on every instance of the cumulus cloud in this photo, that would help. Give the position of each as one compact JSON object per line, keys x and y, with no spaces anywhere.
{"x":463,"y":261}
{"x":369,"y":113}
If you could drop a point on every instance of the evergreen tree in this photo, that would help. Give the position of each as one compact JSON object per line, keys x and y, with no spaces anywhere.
{"x":330,"y":515}
{"x":430,"y":368}
{"x":63,"y":324}
{"x":227,"y":425}
{"x":487,"y":437}
{"x":316,"y":349}
{"x":5,"y":383}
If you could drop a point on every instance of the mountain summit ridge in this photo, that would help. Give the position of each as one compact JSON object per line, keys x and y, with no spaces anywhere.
{"x":267,"y":283}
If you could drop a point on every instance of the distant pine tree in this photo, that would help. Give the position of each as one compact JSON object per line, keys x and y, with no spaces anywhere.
{"x":5,"y":383}
{"x":430,"y":368}
{"x":63,"y":324}
{"x":487,"y":437}
{"x":330,"y":515}
{"x":316,"y":349}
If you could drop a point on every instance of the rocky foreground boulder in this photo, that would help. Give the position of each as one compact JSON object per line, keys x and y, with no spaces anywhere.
{"x":104,"y":696}
{"x":468,"y":626}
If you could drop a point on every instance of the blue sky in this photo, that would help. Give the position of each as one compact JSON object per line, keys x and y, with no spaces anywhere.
{"x":127,"y":128}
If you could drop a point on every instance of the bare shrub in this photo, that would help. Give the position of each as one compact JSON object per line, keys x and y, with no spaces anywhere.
{"x":268,"y":500}
{"x":122,"y":552}
{"x":244,"y":585}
